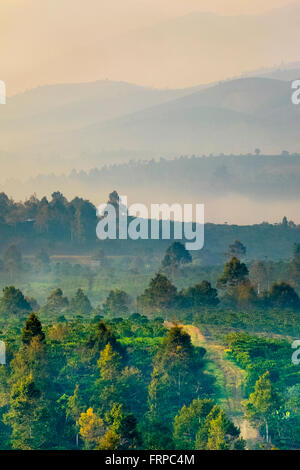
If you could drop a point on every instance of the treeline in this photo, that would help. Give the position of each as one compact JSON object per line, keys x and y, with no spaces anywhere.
{"x":58,"y":219}
{"x":263,"y":175}
{"x":59,"y":225}
{"x":234,"y":289}
{"x":124,"y":384}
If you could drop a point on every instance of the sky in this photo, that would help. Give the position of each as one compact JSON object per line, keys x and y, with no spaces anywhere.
{"x":156,"y":43}
{"x":55,"y":41}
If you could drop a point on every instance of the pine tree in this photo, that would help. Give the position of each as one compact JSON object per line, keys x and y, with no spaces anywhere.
{"x":13,"y":302}
{"x":161,"y":294}
{"x":234,"y":273}
{"x":176,"y":255}
{"x":32,"y":329}
{"x":117,"y":303}
{"x":80,"y":303}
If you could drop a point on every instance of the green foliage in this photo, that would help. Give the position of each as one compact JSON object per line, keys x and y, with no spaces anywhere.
{"x":175,"y":256}
{"x":202,"y":294}
{"x":80,"y":303}
{"x":221,"y":431}
{"x":56,"y":302}
{"x":32,"y":329}
{"x":177,"y":375}
{"x":159,"y":295}
{"x":117,"y":303}
{"x":234,"y":273}
{"x":127,"y":382}
{"x":101,"y":337}
{"x":13,"y":302}
{"x":188,"y":422}
{"x":282,"y":295}
{"x":214,"y":431}
{"x":263,"y":403}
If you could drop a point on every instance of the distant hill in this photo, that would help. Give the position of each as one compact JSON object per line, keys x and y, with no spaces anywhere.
{"x":231,"y":117}
{"x":241,"y":189}
{"x":57,"y":128}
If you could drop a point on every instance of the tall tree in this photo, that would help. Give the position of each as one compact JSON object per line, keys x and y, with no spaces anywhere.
{"x":176,"y":255}
{"x":259,"y":276}
{"x":56,"y":302}
{"x":282,"y":295}
{"x":234,"y":273}
{"x":29,"y":416}
{"x":13,"y":302}
{"x":80,"y":303}
{"x":161,"y":294}
{"x":263,"y":403}
{"x":217,"y":432}
{"x":188,"y":422}
{"x":32,"y":329}
{"x":177,"y":374}
{"x":92,"y":429}
{"x":202,"y":294}
{"x":117,"y":303}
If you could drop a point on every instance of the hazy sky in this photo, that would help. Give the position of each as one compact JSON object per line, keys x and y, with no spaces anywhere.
{"x":50,"y":41}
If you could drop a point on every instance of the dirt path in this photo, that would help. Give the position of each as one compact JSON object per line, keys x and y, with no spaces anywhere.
{"x":229,"y":381}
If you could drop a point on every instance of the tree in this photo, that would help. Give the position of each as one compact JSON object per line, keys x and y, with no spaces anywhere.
{"x":34,"y":305}
{"x":13,"y":302}
{"x":42,"y":261}
{"x":83,"y":220}
{"x":175,"y":256}
{"x":234,"y":273}
{"x":282,"y":295}
{"x":110,"y":388}
{"x":188,"y":422}
{"x":110,"y":441}
{"x":75,"y":405}
{"x":287,"y":430}
{"x":245,"y":294}
{"x":199,"y":295}
{"x":32,"y":329}
{"x":12,"y":260}
{"x":92,"y":428}
{"x":29,"y":416}
{"x":80,"y":303}
{"x":117,"y":303}
{"x":56,"y":302}
{"x":161,"y":294}
{"x":263,"y":403}
{"x":110,"y":363}
{"x":295,"y":267}
{"x":101,"y":337}
{"x":218,"y":432}
{"x":123,"y":425}
{"x":237,"y":249}
{"x":176,"y":376}
{"x":259,"y":276}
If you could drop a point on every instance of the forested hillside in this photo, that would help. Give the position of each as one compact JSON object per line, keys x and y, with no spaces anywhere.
{"x":65,"y":227}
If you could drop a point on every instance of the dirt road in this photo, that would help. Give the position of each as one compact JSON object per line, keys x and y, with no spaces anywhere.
{"x":229,"y":381}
